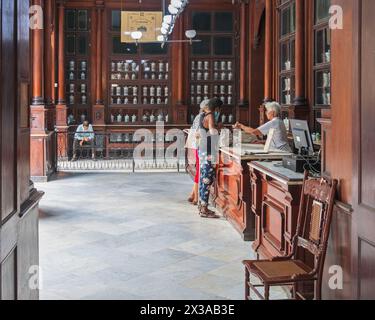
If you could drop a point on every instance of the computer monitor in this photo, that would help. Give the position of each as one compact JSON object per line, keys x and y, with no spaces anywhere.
{"x":302,"y":137}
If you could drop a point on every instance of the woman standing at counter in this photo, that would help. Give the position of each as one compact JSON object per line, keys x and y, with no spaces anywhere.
{"x":280,"y":138}
{"x":192,"y":144}
{"x":207,"y":155}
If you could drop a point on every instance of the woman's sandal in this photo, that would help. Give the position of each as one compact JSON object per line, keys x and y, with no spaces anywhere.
{"x":204,"y":212}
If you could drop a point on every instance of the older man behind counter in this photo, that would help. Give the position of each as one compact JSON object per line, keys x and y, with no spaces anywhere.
{"x":280,"y":136}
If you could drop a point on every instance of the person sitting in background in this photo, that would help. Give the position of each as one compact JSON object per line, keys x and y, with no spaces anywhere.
{"x":84,"y":136}
{"x":280,"y":138}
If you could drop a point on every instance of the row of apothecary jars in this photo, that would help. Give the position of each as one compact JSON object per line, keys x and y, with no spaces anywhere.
{"x":225,"y":119}
{"x":145,"y":100}
{"x":217,"y":76}
{"x":82,"y":99}
{"x":196,"y":100}
{"x":132,"y":66}
{"x":156,"y":67}
{"x":206,"y":89}
{"x":218,"y":65}
{"x":134,"y":76}
{"x":81,"y":88}
{"x":133,"y":118}
{"x":124,"y":66}
{"x":82,"y":64}
{"x":151,"y":91}
{"x":82,"y":75}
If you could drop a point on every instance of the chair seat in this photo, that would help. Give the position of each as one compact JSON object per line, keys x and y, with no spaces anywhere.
{"x":276,"y":271}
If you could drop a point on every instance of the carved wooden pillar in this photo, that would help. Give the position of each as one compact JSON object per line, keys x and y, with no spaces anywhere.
{"x":268,"y":52}
{"x":300,"y":97}
{"x":98,"y":108}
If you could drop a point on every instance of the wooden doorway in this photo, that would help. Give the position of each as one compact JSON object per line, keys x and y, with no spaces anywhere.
{"x":364,"y":155}
{"x":18,"y":199}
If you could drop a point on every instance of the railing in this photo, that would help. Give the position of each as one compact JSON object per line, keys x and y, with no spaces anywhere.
{"x":116,"y":152}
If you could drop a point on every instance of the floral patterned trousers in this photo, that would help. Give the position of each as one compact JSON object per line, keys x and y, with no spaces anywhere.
{"x":207,"y":177}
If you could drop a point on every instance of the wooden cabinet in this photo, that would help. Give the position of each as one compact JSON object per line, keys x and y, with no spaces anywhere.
{"x":77,"y":64}
{"x":276,"y":193}
{"x":212,"y":62}
{"x":233,"y":192}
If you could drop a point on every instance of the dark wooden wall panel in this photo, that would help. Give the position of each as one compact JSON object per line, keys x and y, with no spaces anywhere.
{"x":339,"y":253}
{"x":28,"y":248}
{"x":8,"y":276}
{"x":24,"y":166}
{"x":8,"y":136}
{"x":367,"y":175}
{"x":366,"y":270}
{"x":363,"y":166}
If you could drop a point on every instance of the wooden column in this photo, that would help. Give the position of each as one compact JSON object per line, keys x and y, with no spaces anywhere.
{"x":37,"y":62}
{"x":61,"y":109}
{"x":53,"y":54}
{"x":98,"y":109}
{"x":268,"y":53}
{"x":38,"y":110}
{"x":41,"y":138}
{"x":47,"y":50}
{"x":244,"y":40}
{"x":300,"y":97}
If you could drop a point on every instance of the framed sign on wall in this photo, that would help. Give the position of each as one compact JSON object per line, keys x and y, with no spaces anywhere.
{"x":149,"y":23}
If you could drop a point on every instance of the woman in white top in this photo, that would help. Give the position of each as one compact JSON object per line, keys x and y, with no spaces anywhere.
{"x":280,"y":137}
{"x":192,"y":144}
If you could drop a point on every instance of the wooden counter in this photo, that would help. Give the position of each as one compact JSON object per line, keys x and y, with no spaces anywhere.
{"x":276,"y":193}
{"x":232,"y":192}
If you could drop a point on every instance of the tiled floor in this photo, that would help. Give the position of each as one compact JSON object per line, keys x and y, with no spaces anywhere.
{"x":133,"y":236}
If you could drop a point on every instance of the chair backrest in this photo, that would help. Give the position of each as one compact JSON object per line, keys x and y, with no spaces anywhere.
{"x":314,"y":219}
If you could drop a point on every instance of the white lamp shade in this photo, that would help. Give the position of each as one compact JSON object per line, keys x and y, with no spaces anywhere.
{"x":177,"y":4}
{"x":173,"y":10}
{"x":167,"y":19}
{"x":160,"y":38}
{"x":136,"y":35}
{"x":191,"y":34}
{"x":165,"y":25}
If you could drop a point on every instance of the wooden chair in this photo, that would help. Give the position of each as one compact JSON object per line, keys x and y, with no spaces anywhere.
{"x":311,"y":239}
